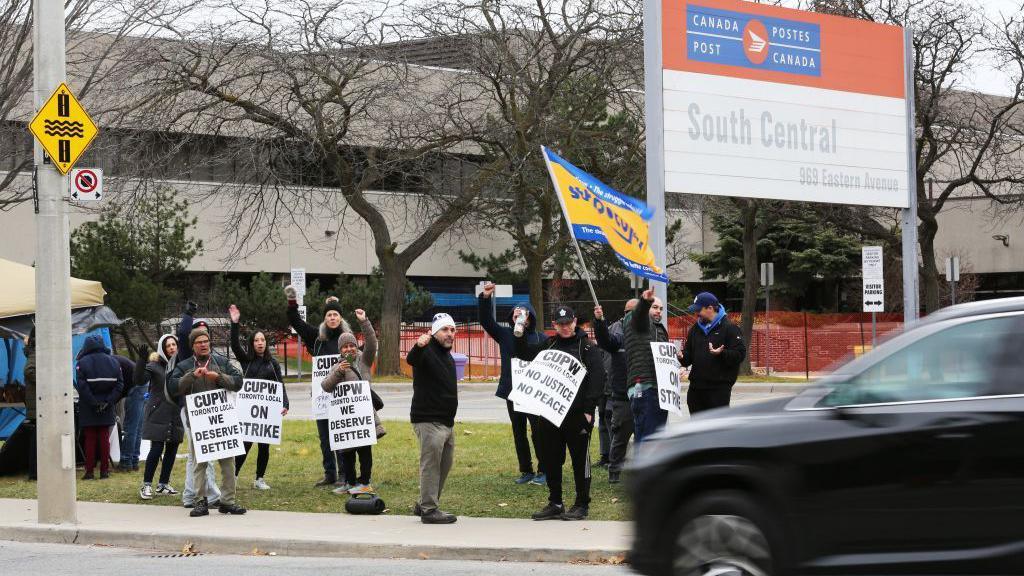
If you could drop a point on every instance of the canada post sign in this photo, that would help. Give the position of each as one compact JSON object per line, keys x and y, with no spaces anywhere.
{"x":760,"y":101}
{"x":738,"y":39}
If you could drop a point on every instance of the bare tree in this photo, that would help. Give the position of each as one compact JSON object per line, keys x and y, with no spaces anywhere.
{"x":549,"y":72}
{"x":311,"y":105}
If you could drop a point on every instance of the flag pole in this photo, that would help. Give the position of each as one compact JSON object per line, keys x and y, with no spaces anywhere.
{"x":568,"y":222}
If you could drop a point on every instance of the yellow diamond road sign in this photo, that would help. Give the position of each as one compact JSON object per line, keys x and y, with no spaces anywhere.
{"x":63,"y":128}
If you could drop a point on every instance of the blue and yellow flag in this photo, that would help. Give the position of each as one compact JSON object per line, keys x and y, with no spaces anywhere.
{"x":597,"y":213}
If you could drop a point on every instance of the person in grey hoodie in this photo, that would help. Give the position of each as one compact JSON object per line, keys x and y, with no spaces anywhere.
{"x":356,"y":365}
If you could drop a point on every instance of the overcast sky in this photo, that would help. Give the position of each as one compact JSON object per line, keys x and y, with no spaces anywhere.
{"x":986,"y":79}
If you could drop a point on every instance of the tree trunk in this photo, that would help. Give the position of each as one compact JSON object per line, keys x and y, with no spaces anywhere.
{"x":535,"y":276}
{"x":927,"y":231}
{"x":748,"y":212}
{"x":389,"y":355}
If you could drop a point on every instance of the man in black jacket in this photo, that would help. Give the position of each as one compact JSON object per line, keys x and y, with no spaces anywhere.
{"x":574,"y":433}
{"x":642,"y":327}
{"x":713,"y":352}
{"x":435,"y":400}
{"x":610,"y":338}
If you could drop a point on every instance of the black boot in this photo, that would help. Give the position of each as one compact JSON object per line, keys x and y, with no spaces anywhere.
{"x":200,"y":509}
{"x":231,"y":509}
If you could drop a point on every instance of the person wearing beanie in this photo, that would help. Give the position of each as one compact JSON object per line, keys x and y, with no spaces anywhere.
{"x":356,"y":365}
{"x":713,"y":352}
{"x":321,"y":340}
{"x":574,"y":433}
{"x":257,"y":362}
{"x":505,"y":337}
{"x":435,"y":400}
{"x":162,"y":426}
{"x":203,"y":372}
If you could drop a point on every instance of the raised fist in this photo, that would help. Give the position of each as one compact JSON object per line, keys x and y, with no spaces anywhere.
{"x":648,"y":295}
{"x":488,"y":290}
{"x":191,"y":307}
{"x":360,"y":315}
{"x":423,"y":340}
{"x":331,"y":299}
{"x":234,"y":313}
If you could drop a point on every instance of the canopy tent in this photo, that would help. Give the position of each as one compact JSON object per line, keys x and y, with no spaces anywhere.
{"x":18,"y":297}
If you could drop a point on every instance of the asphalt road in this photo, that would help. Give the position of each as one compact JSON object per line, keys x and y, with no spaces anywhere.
{"x":476,"y":405}
{"x":61,"y":559}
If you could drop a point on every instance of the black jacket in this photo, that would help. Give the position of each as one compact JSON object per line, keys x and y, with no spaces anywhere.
{"x":263,"y":367}
{"x":638,"y":334}
{"x":161,"y":418}
{"x":435,"y":391}
{"x":577,"y":345}
{"x":706,"y":369}
{"x":127,"y":373}
{"x":610,"y":338}
{"x":505,"y":338}
{"x":319,"y":341}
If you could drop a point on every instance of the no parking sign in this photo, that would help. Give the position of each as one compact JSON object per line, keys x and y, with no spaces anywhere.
{"x":86,"y":184}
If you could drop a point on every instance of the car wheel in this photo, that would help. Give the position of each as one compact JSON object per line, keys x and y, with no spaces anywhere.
{"x":723,"y":534}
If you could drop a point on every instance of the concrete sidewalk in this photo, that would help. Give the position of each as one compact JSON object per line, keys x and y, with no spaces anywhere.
{"x":170,"y":529}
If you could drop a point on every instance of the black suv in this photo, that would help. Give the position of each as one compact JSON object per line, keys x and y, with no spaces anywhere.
{"x":908,"y":460}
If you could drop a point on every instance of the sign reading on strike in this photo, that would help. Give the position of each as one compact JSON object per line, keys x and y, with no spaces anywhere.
{"x":666,"y":366}
{"x":322,"y":366}
{"x":259,"y":405}
{"x":214,"y":425}
{"x":63,"y":128}
{"x":768,"y":102}
{"x":351,"y":416}
{"x":549,"y":385}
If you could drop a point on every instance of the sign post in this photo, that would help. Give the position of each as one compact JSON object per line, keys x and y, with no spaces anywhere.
{"x":298,"y":281}
{"x":872,"y":272}
{"x":953,"y":276}
{"x":767,"y":280}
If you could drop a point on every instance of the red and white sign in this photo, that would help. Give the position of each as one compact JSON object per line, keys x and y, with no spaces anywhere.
{"x":766,"y":102}
{"x":86,"y":184}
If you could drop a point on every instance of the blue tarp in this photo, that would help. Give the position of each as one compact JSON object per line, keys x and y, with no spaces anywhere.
{"x":10,"y":419}
{"x":452,"y":300}
{"x":12,"y":361}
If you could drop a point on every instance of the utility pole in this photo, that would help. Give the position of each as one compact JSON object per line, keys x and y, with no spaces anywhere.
{"x":55,"y":432}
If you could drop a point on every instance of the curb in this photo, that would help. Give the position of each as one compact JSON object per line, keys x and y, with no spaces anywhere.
{"x":290,"y":547}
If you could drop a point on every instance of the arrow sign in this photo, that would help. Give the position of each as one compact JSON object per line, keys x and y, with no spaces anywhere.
{"x":86,"y":184}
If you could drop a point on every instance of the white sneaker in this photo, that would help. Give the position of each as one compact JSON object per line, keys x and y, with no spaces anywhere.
{"x":146,"y":492}
{"x":342,"y":490}
{"x":260,"y":484}
{"x":166,"y":490}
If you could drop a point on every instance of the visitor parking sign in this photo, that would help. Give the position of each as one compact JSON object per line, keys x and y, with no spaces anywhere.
{"x":766,"y":102}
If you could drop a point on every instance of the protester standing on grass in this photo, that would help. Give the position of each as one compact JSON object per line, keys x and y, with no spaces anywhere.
{"x":505,"y":337}
{"x":185,"y":326}
{"x":322,"y":341}
{"x":713,"y":352}
{"x":574,"y":433}
{"x":134,"y":398}
{"x":611,"y":339}
{"x":203,"y":372}
{"x":162,"y":426}
{"x":99,"y":382}
{"x":356,"y":365}
{"x":258,"y":363}
{"x":435,"y":400}
{"x":640,"y":328}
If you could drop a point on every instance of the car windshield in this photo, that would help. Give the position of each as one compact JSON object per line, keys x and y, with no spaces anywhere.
{"x":975,"y":358}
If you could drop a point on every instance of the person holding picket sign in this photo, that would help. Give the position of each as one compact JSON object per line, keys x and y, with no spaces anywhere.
{"x":356,"y":365}
{"x":321,"y":341}
{"x":574,"y":433}
{"x":162,"y":426}
{"x":258,"y":363}
{"x":203,"y":372}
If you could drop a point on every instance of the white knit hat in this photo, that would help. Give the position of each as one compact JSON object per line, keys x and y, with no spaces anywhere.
{"x":441,"y":320}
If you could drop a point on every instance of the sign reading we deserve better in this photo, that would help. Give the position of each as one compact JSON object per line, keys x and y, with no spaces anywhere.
{"x":768,"y":102}
{"x":351,"y":416}
{"x":549,"y":385}
{"x":666,"y":366}
{"x":322,"y":366}
{"x":259,"y":405}
{"x":214,"y":425}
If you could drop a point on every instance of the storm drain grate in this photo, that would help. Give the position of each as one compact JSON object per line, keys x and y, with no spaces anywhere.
{"x":179,"y":555}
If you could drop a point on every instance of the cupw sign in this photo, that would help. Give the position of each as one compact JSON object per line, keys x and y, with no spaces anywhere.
{"x":86,"y":184}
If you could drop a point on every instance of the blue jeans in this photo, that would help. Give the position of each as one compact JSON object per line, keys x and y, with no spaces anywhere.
{"x":188,"y":495}
{"x":648,"y":417}
{"x":134,"y":405}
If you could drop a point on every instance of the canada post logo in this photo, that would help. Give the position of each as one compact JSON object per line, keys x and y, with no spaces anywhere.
{"x":762,"y":43}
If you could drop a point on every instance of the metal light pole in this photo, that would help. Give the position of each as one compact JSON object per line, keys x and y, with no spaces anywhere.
{"x":55,"y":443}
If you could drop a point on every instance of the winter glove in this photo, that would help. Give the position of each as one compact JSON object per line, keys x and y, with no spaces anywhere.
{"x":191,"y":308}
{"x":143,"y":352}
{"x":290,"y":293}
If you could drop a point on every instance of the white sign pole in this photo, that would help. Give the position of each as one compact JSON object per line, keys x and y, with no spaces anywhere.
{"x":654,"y":113}
{"x":298,"y":281}
{"x":911,"y":300}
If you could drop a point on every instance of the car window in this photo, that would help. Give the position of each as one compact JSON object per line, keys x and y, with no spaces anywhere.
{"x":978,"y":358}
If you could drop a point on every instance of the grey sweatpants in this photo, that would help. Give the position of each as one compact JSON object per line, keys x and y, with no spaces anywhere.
{"x":437,"y":452}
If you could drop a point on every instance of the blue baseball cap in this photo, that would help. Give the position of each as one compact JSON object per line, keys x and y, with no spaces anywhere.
{"x":703,"y":300}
